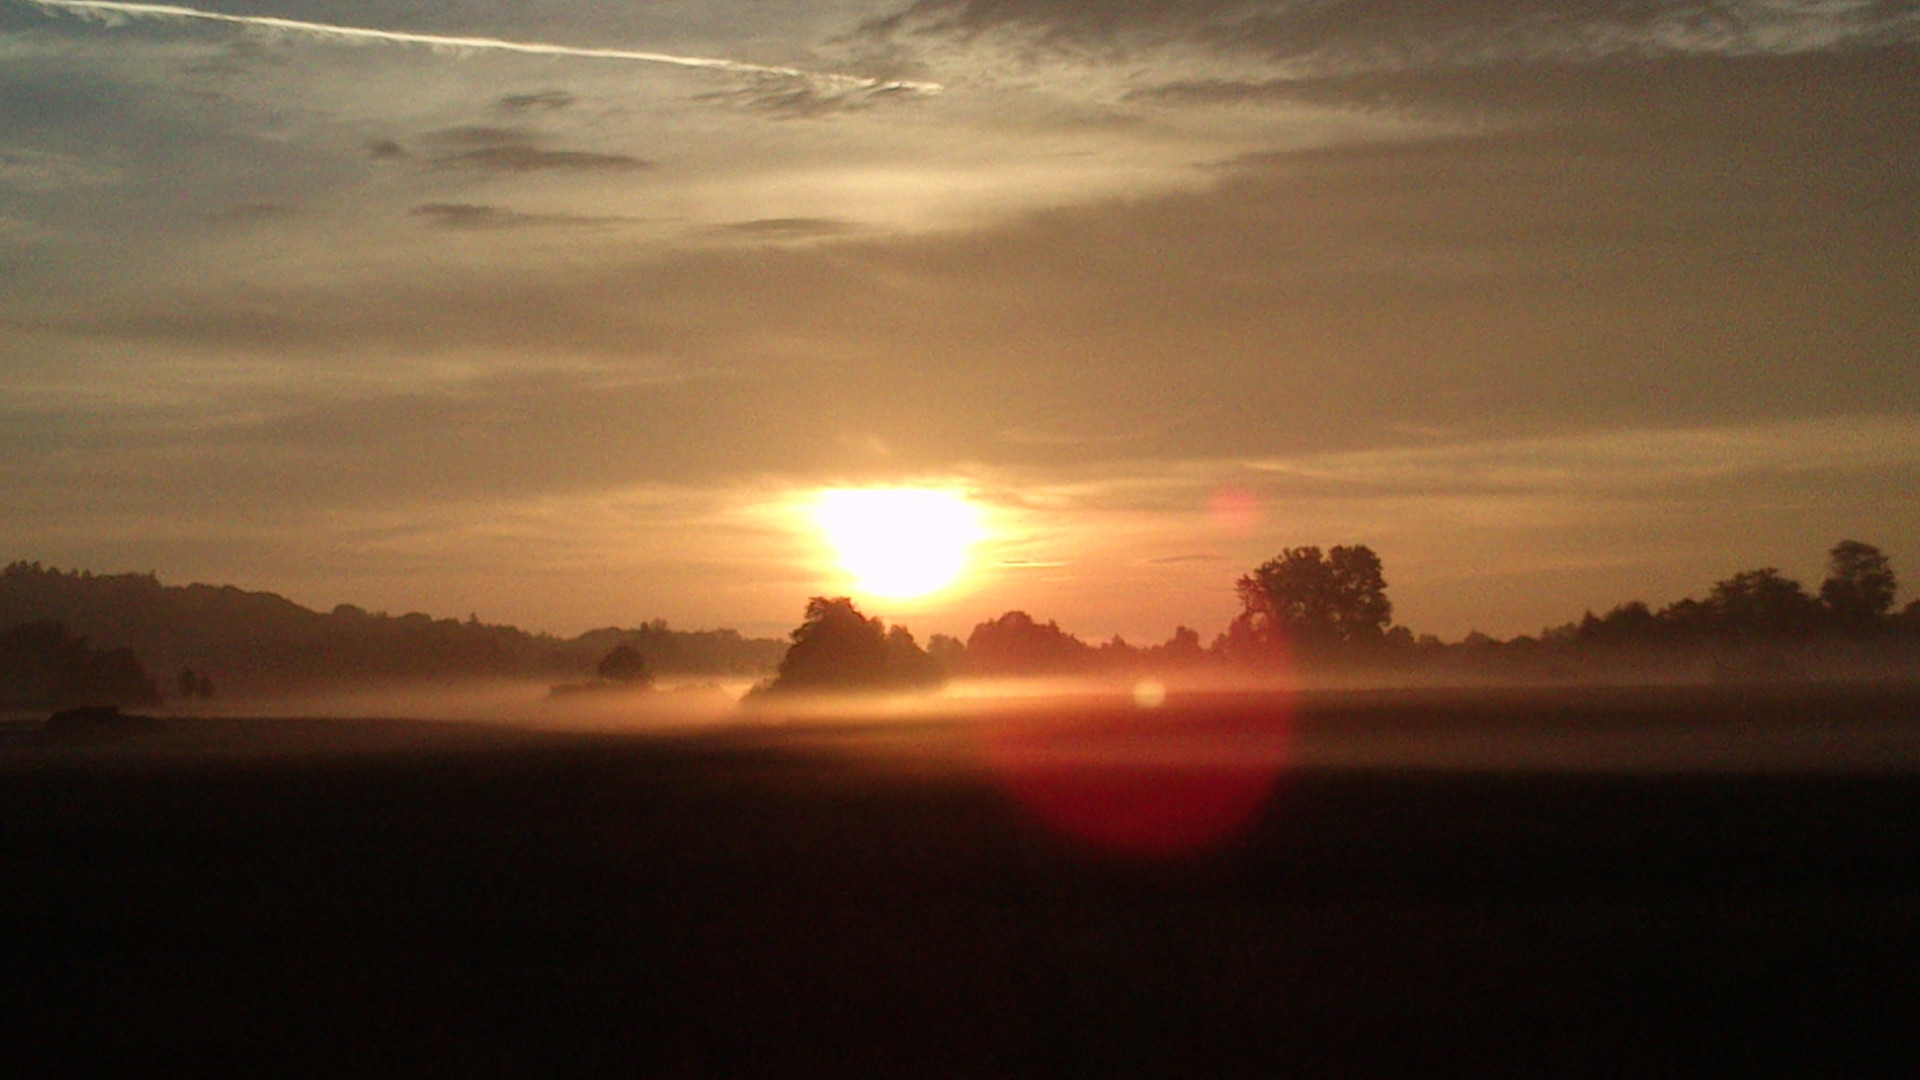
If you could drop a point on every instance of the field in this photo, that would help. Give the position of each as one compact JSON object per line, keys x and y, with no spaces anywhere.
{"x":1660,"y":882}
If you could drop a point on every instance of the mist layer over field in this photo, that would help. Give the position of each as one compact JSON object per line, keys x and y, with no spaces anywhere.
{"x":1141,"y":723}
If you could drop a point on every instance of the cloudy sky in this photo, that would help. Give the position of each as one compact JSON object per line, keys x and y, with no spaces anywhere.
{"x":1552,"y":304}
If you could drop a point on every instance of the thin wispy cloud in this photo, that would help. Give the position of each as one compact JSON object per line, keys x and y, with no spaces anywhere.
{"x":1618,"y":459}
{"x":518,"y":158}
{"x":784,"y":228}
{"x":40,"y":171}
{"x":548,"y":100}
{"x":483,"y":216}
{"x":510,"y":150}
{"x":1368,"y":35}
{"x":114,"y":10}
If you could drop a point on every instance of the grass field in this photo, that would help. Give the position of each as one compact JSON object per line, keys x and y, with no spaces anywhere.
{"x":1664,"y":882}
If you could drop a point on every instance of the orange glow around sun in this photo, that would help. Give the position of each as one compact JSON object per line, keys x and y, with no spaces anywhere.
{"x":899,"y":543}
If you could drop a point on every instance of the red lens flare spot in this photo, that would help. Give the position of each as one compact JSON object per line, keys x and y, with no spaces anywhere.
{"x":1180,"y":780}
{"x":1234,"y":509}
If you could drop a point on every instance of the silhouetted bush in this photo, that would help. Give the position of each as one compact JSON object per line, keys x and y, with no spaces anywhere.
{"x":98,"y":723}
{"x":625,"y":665}
{"x":622,"y":670}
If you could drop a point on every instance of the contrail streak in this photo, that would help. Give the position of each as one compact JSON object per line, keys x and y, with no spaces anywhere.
{"x":112,"y":9}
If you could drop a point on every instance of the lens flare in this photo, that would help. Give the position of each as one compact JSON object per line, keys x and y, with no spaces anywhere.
{"x":1170,"y":782}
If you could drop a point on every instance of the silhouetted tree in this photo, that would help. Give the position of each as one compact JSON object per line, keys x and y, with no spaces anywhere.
{"x":1686,"y":620}
{"x":1907,"y":623}
{"x":1762,"y":604}
{"x":194,"y":684}
{"x":1860,"y":586}
{"x":626,"y":666}
{"x":1181,"y":650}
{"x":1117,"y":654}
{"x":837,"y":648}
{"x":947,"y":651}
{"x":1629,"y":623}
{"x":908,"y":665}
{"x":44,"y":665}
{"x":1305,"y":599}
{"x":1014,"y":644}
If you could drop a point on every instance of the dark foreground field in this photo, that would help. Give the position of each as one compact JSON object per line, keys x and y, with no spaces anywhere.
{"x":1424,"y":886}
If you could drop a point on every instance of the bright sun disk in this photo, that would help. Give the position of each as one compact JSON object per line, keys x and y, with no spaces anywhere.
{"x":899,"y":543}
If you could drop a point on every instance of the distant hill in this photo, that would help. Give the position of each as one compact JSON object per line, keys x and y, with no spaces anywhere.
{"x":254,"y":641}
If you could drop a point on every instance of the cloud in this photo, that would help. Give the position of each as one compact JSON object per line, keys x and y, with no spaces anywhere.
{"x":1080,"y":428}
{"x":482,"y":216}
{"x":1652,"y":94}
{"x":1598,"y":463}
{"x":113,"y":11}
{"x":1732,"y":239}
{"x":497,"y":149}
{"x":789,"y":99}
{"x":41,"y":172}
{"x":1350,"y":35}
{"x":546,"y":100}
{"x":523,"y":158}
{"x":261,"y":211}
{"x":1746,"y":262}
{"x":785,"y":228}
{"x":15,"y":230}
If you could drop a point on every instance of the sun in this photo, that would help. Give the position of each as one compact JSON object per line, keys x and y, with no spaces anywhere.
{"x":899,"y":543}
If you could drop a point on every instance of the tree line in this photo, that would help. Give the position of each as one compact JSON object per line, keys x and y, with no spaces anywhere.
{"x":1303,"y":610}
{"x":1312,"y":610}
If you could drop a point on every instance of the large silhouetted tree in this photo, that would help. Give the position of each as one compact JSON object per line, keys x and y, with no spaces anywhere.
{"x":1762,"y":603}
{"x":1860,"y":586}
{"x":1313,"y":601}
{"x":837,"y":648}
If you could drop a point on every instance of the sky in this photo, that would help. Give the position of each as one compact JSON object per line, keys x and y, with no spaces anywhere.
{"x":561,"y":314}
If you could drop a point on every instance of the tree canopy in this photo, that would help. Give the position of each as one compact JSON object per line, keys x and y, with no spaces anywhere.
{"x":1762,"y":603}
{"x":1015,"y":644}
{"x":1860,"y":586}
{"x":1307,"y":600}
{"x":838,"y":649}
{"x":624,"y":665}
{"x":43,"y":665}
